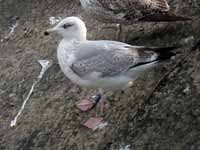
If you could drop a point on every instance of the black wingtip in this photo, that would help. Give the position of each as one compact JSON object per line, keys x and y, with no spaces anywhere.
{"x":154,"y":54}
{"x":164,"y":53}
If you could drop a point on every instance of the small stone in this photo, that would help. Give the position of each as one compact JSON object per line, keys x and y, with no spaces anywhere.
{"x":187,"y":89}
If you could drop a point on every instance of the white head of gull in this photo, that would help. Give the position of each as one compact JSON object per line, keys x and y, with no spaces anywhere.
{"x":71,"y":28}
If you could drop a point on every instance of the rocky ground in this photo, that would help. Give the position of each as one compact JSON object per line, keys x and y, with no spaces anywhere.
{"x":141,"y":118}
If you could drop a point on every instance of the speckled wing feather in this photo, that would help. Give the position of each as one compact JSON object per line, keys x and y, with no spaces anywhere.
{"x":111,"y":58}
{"x":106,"y":64}
{"x":161,"y":5}
{"x":140,"y":5}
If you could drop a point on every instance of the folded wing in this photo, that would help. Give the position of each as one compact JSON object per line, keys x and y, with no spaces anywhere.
{"x":108,"y":58}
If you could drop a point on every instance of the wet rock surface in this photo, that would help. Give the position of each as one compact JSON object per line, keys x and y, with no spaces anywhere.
{"x":168,"y":119}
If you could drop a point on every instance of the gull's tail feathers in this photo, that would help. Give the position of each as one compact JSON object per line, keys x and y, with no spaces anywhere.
{"x":152,"y":55}
{"x":149,"y":57}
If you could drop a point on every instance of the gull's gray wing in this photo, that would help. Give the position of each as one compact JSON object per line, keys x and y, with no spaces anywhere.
{"x":107,"y":58}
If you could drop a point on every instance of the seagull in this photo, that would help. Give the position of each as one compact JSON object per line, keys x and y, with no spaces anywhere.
{"x":102,"y":64}
{"x":127,"y":12}
{"x":130,"y":11}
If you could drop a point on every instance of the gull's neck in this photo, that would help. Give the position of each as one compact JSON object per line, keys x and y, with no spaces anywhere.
{"x":69,"y":43}
{"x":75,"y":38}
{"x":80,"y":35}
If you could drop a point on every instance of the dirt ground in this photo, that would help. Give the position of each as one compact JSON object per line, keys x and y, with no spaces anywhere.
{"x":167,"y":119}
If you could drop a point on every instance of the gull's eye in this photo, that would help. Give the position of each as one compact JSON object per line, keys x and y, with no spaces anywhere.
{"x":65,"y":26}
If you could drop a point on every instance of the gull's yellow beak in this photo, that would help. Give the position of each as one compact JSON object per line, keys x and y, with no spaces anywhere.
{"x":48,"y":31}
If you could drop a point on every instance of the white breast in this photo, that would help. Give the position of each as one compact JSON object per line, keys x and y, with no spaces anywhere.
{"x":66,"y":58}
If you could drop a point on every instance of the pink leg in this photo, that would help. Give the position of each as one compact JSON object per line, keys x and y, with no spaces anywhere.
{"x":88,"y":104}
{"x":93,"y":122}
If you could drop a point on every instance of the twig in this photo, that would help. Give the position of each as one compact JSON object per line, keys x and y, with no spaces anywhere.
{"x":45,"y":65}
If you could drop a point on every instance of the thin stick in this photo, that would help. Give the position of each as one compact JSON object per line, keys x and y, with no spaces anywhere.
{"x":45,"y":65}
